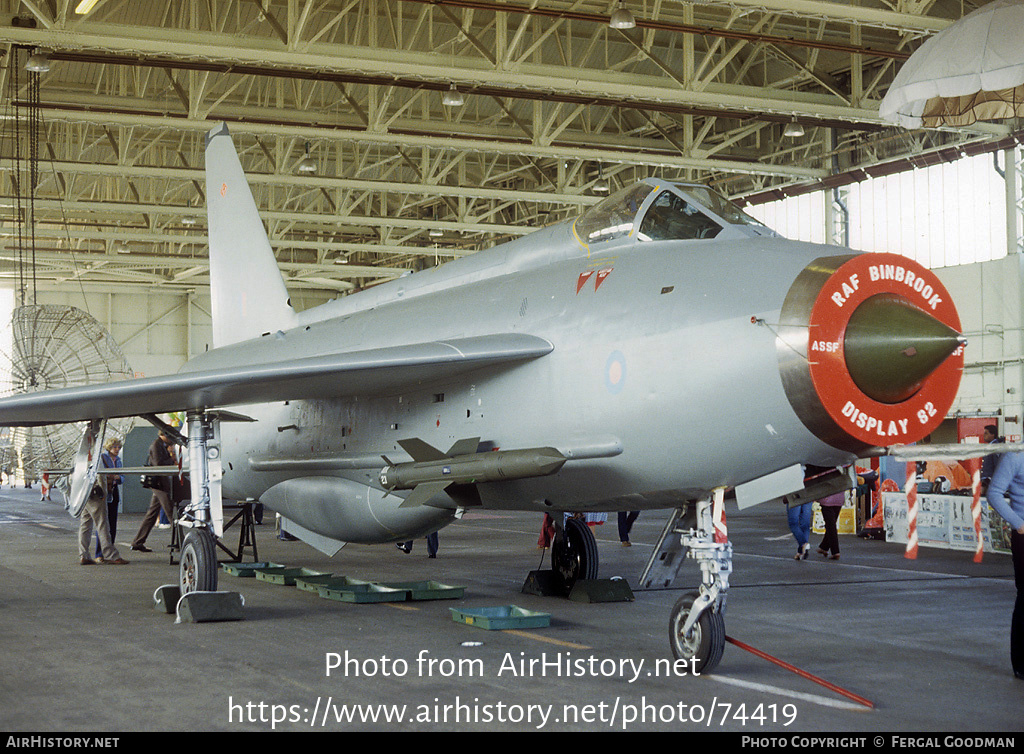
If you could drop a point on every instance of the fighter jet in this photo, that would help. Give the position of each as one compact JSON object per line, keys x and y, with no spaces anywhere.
{"x":654,"y":352}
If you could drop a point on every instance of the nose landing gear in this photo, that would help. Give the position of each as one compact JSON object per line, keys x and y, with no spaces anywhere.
{"x":697,"y":621}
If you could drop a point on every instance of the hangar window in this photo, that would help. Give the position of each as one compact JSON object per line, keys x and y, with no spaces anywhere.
{"x":613,"y":217}
{"x":670,"y":216}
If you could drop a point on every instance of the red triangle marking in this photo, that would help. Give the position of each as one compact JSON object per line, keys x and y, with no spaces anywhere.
{"x":583,"y":278}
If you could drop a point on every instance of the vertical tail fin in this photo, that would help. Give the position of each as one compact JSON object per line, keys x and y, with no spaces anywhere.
{"x":247,"y":292}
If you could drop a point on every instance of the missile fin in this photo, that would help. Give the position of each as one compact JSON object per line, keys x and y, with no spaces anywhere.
{"x":421,"y":451}
{"x":423,"y":492}
{"x":464,"y":447}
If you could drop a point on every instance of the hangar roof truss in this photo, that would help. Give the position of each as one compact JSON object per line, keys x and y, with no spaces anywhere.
{"x":554,"y":101}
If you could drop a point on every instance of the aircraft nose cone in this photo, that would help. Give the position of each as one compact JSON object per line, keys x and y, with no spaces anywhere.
{"x":891,"y":347}
{"x":871,"y":354}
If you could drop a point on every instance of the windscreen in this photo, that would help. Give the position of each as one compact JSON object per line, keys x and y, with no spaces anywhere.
{"x":722,"y":206}
{"x":612,"y":217}
{"x":671,"y":217}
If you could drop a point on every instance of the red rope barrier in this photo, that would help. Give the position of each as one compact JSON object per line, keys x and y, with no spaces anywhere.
{"x":801,"y":673}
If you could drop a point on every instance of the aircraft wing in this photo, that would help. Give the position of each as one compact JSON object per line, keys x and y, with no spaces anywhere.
{"x":377,"y":371}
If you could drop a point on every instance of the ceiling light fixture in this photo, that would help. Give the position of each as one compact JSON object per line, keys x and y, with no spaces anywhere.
{"x":452,"y":97}
{"x":307,"y":164}
{"x":38,"y":62}
{"x":793,"y":130}
{"x":122,"y":247}
{"x":601,"y":185}
{"x":189,"y":220}
{"x":621,"y":18}
{"x":85,"y":6}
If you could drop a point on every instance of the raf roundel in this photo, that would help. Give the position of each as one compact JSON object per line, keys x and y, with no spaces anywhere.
{"x":615,"y":372}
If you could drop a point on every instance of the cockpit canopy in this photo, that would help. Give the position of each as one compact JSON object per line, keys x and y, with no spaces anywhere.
{"x":659,"y":211}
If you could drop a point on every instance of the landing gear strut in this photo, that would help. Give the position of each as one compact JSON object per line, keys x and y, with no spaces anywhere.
{"x":573,"y":553}
{"x":697,"y":623}
{"x":204,"y":516}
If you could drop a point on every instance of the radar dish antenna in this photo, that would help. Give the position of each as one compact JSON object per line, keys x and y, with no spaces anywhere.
{"x":46,"y":347}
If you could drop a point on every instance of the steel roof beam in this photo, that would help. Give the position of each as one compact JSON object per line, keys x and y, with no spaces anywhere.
{"x":312,"y":132}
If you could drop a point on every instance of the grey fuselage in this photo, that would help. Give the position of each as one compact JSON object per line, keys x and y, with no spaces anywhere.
{"x":655,"y":353}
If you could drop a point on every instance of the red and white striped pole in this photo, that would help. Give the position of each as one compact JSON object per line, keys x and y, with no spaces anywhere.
{"x":911,"y":490}
{"x":718,"y":516}
{"x":973,"y":465}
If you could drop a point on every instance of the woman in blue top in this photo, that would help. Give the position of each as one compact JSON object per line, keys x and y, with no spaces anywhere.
{"x":111,"y":459}
{"x":1008,"y":481}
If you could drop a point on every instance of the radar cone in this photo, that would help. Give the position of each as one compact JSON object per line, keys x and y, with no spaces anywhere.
{"x":891,"y":347}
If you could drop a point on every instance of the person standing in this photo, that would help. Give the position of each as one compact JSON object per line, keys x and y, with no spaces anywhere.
{"x":159,"y":455}
{"x":547,"y":532}
{"x":831,"y":506}
{"x":989,"y":462}
{"x":111,"y":459}
{"x":94,"y":516}
{"x":799,"y":519}
{"x":432,"y":542}
{"x":1008,"y":482}
{"x":626,"y":521}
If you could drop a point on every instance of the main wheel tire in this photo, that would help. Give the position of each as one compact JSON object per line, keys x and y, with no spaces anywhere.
{"x":574,"y":554}
{"x":198,"y":568}
{"x":706,"y":640}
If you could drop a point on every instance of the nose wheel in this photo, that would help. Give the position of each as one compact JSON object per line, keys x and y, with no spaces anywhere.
{"x":704,"y":642}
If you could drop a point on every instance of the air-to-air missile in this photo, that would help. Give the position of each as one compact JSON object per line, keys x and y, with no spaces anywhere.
{"x":432,"y":472}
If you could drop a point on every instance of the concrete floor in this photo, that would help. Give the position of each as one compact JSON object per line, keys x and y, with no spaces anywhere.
{"x":83,"y":649}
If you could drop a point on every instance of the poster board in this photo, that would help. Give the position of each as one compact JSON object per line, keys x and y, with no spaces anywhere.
{"x":944,"y":521}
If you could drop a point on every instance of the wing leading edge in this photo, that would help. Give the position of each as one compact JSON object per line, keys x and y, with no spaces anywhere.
{"x":377,"y":371}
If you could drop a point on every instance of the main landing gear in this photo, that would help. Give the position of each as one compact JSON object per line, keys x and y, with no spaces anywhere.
{"x":198,"y":568}
{"x":697,"y":622}
{"x":573,"y":553}
{"x":203,"y":517}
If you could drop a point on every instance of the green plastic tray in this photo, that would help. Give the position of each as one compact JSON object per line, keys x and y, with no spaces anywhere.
{"x":313,"y":583}
{"x":356,"y":591}
{"x":500,"y":618}
{"x":285,"y":575}
{"x":247,"y":570}
{"x":427,"y":590}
